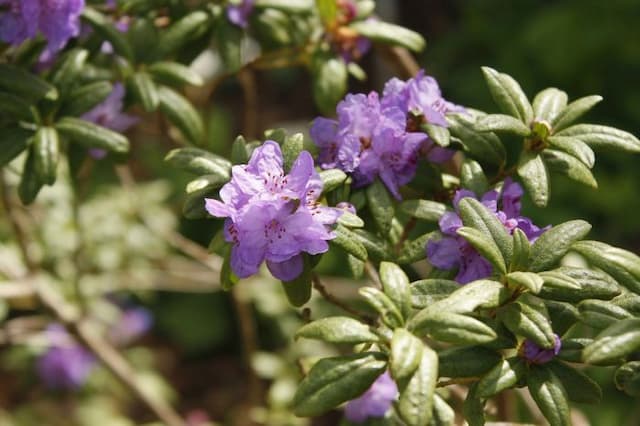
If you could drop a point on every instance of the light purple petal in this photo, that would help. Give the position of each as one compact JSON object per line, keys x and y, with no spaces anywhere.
{"x":287,"y":270}
{"x":375,"y":402}
{"x":444,"y":253}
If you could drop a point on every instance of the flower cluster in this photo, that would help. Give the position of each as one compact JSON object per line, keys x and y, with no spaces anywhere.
{"x":271,"y":216}
{"x":375,"y":402}
{"x":66,"y":364}
{"x":109,"y":114}
{"x":453,"y":251}
{"x":56,"y":20}
{"x":238,"y":12}
{"x":381,"y":137}
{"x":537,"y":355}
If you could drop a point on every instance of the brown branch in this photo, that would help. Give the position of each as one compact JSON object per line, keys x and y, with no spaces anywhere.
{"x":67,"y":315}
{"x":317,"y":284}
{"x":402,"y":59}
{"x":371,"y":272}
{"x":250,"y":120}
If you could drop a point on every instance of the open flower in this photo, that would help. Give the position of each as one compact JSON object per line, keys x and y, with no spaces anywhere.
{"x":56,"y":20}
{"x":271,"y":216}
{"x":375,"y":402}
{"x":453,"y":251}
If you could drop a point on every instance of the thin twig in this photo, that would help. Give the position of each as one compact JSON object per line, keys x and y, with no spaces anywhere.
{"x":67,"y":315}
{"x":317,"y":284}
{"x":248,"y":83}
{"x":402,"y":59}
{"x":371,"y":272}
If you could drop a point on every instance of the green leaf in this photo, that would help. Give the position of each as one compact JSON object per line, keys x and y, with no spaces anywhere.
{"x":600,"y":314}
{"x":29,"y":185}
{"x":356,"y":266}
{"x":603,"y":137}
{"x":329,"y":82}
{"x":576,"y":284}
{"x":622,"y":265}
{"x":485,"y":246}
{"x":502,"y":123}
{"x":239,"y":153}
{"x":521,"y":251}
{"x":453,"y":328}
{"x":547,"y":391}
{"x":194,"y":203}
{"x":627,"y":301}
{"x":473,"y":361}
{"x":380,"y":205}
{"x":46,"y":151}
{"x":13,"y":140}
{"x":573,"y":111}
{"x":376,"y":247}
{"x":484,"y":294}
{"x":475,"y":215}
{"x":438,"y":134}
{"x":345,"y":239}
{"x":175,"y":73}
{"x":574,"y":147}
{"x":338,"y":330}
{"x":627,"y":378}
{"x":527,"y":321}
{"x":205,"y":182}
{"x":569,"y":166}
{"x":423,"y":209}
{"x":387,"y":33}
{"x":562,"y":315}
{"x":182,"y":114}
{"x":443,"y":414}
{"x":379,"y":301}
{"x":554,"y":243}
{"x":229,"y":42}
{"x":68,"y":71}
{"x":406,"y":354}
{"x":23,"y":83}
{"x":328,"y":11}
{"x":84,"y":98}
{"x":144,"y":90}
{"x":395,"y":284}
{"x":528,"y":280}
{"x":199,"y":162}
{"x":332,"y":179}
{"x":472,"y":177}
{"x":227,"y":277}
{"x":143,"y":35}
{"x":15,"y":107}
{"x":415,"y":403}
{"x":580,"y":388}
{"x":535,"y":177}
{"x":291,"y":149}
{"x":485,"y":147}
{"x":548,"y":103}
{"x":91,"y":135}
{"x":332,"y":381}
{"x":426,"y":292}
{"x":183,"y":31}
{"x":106,"y":30}
{"x":473,"y":407}
{"x":350,"y":220}
{"x":572,"y":349}
{"x":508,"y":95}
{"x":615,"y":342}
{"x":414,"y":250}
{"x":298,"y":290}
{"x":293,"y":6}
{"x":503,"y":376}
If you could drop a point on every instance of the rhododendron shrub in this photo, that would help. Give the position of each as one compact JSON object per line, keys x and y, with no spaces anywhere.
{"x":421,"y":200}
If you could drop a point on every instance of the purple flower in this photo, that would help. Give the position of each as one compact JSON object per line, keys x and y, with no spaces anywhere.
{"x":271,"y":216}
{"x":453,"y":251}
{"x":368,"y":141}
{"x":537,"y":355}
{"x":375,"y":402}
{"x":238,"y":12}
{"x":109,"y":114}
{"x":133,"y":323}
{"x":66,"y":364}
{"x":57,"y":20}
{"x":343,"y":205}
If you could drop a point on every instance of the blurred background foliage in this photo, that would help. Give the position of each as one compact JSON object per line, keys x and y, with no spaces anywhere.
{"x":581,"y":46}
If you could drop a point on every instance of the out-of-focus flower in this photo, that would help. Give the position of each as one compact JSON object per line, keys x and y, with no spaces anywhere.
{"x":66,"y":364}
{"x":133,"y":323}
{"x":271,"y":216}
{"x":56,"y":20}
{"x":238,"y":12}
{"x":375,"y":402}
{"x":454,"y":251}
{"x":109,"y":114}
{"x":537,"y":355}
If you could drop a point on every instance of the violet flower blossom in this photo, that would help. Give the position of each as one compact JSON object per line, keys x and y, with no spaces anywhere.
{"x":56,"y":20}
{"x":271,"y":216}
{"x":537,"y":355}
{"x":133,"y":323}
{"x":238,"y":13}
{"x":453,"y":251}
{"x":375,"y":137}
{"x":66,"y":364}
{"x":109,"y":114}
{"x":375,"y":402}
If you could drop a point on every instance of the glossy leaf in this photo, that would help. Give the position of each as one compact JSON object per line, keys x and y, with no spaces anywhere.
{"x":15,"y":80}
{"x":501,"y":123}
{"x":481,"y":146}
{"x":574,"y":147}
{"x":199,"y":162}
{"x":554,"y":243}
{"x":175,"y":73}
{"x":415,"y":402}
{"x":535,"y":178}
{"x":337,"y":330}
{"x":573,"y":111}
{"x":527,"y":321}
{"x":474,"y":214}
{"x":473,"y":361}
{"x":528,"y":280}
{"x":616,"y":341}
{"x":332,"y":179}
{"x":380,"y":302}
{"x":548,"y":103}
{"x":503,"y":376}
{"x":380,"y":205}
{"x":580,"y":387}
{"x":182,"y":31}
{"x":395,"y":284}
{"x":387,"y":33}
{"x":46,"y":152}
{"x":472,"y":177}
{"x":423,"y":209}
{"x":600,"y":314}
{"x":426,"y":292}
{"x":603,"y":137}
{"x":406,"y":354}
{"x":182,"y":114}
{"x":508,"y":95}
{"x":570,"y":166}
{"x":92,"y":135}
{"x":622,"y":265}
{"x":548,"y":393}
{"x":346,"y":240}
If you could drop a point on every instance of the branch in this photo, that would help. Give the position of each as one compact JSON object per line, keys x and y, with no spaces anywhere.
{"x":317,"y":284}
